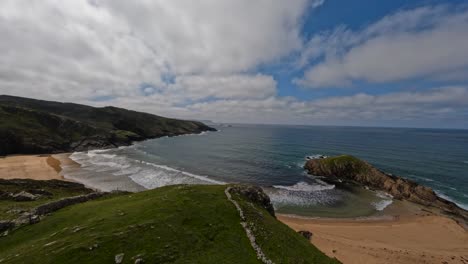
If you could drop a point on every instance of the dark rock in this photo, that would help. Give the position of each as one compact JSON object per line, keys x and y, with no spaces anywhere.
{"x":5,"y":195}
{"x":353,"y":169}
{"x":255,"y":195}
{"x":306,"y":234}
{"x":6,"y":225}
{"x":56,"y":205}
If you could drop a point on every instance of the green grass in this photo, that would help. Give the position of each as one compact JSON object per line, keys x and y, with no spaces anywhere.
{"x":9,"y":209}
{"x":175,"y":224}
{"x":279,"y":242}
{"x":351,"y":163}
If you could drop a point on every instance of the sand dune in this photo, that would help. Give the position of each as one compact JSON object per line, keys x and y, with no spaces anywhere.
{"x":410,"y":239}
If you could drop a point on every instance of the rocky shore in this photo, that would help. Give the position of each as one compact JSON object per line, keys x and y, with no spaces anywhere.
{"x":350,"y":168}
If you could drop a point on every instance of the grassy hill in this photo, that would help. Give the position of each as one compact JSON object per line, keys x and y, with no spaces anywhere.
{"x":174,"y":224}
{"x":35,"y":126}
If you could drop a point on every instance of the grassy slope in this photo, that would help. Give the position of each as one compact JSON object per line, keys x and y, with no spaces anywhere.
{"x":176,"y":224}
{"x":58,"y":189}
{"x":279,"y":242}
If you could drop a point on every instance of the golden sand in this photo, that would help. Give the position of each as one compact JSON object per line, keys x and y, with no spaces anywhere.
{"x":425,"y":238}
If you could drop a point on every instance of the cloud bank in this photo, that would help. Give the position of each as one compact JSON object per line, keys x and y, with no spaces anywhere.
{"x":424,"y":42}
{"x":201,"y":59}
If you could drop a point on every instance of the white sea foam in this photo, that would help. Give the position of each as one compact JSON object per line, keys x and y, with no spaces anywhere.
{"x":99,"y":150}
{"x":146,"y":174}
{"x":199,"y":177}
{"x":384,"y":195}
{"x":301,"y":194}
{"x":194,"y":134}
{"x":441,"y":195}
{"x":422,"y":178}
{"x":381,"y":205}
{"x":387,"y":200}
{"x":315,"y":156}
{"x":305,"y":187}
{"x":282,"y":197}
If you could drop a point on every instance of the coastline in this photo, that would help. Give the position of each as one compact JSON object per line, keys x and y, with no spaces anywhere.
{"x":404,"y":232}
{"x":409,"y":237}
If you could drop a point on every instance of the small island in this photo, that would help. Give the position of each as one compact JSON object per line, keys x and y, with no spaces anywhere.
{"x":350,"y":168}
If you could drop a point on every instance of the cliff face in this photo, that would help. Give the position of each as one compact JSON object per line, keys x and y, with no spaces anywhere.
{"x":29,"y":126}
{"x":350,"y":168}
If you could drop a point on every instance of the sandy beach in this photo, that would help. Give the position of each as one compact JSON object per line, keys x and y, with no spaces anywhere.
{"x":36,"y":167}
{"x":404,"y":234}
{"x":422,"y":238}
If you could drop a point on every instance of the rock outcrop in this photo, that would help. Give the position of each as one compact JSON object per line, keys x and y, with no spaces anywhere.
{"x":353,"y":169}
{"x":306,"y":234}
{"x":255,"y":195}
{"x":56,"y":205}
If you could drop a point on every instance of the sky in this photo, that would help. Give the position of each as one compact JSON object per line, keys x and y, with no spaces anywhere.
{"x":392,"y":63}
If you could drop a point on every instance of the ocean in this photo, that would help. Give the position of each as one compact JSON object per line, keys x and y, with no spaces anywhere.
{"x":273,"y":157}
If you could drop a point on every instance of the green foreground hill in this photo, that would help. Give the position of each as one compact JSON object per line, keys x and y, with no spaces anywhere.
{"x":174,"y":224}
{"x":30,"y":126}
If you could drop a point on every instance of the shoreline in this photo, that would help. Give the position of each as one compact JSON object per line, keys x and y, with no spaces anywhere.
{"x":407,"y":239}
{"x":402,"y":233}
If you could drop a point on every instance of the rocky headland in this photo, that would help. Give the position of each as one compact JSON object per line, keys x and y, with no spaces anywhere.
{"x":29,"y":126}
{"x":350,"y":168}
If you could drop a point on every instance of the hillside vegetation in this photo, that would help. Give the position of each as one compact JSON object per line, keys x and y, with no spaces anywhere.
{"x":34,"y":126}
{"x":174,"y":224}
{"x":42,"y":192}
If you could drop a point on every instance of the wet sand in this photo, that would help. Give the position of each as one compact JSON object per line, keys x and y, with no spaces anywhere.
{"x":417,"y":237}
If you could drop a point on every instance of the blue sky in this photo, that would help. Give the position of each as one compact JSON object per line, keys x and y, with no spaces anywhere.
{"x":317,"y":62}
{"x":354,"y":15}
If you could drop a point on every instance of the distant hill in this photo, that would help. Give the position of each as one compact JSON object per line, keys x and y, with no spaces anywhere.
{"x":29,"y":126}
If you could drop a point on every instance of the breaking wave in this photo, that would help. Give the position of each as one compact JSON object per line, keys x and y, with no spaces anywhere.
{"x":305,"y":187}
{"x":387,"y":200}
{"x":146,"y":174}
{"x":301,"y":194}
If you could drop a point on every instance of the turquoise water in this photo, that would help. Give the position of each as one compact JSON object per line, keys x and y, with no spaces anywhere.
{"x":273,"y":156}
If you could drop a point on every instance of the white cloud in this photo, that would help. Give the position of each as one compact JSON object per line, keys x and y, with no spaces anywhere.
{"x":198,"y":59}
{"x":435,"y":106}
{"x":75,"y":50}
{"x":427,"y":42}
{"x":241,"y":86}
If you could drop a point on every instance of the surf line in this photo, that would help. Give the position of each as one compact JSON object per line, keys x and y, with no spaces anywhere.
{"x":249,"y":233}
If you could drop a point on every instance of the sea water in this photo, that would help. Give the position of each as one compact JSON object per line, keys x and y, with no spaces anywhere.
{"x":273,"y":157}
